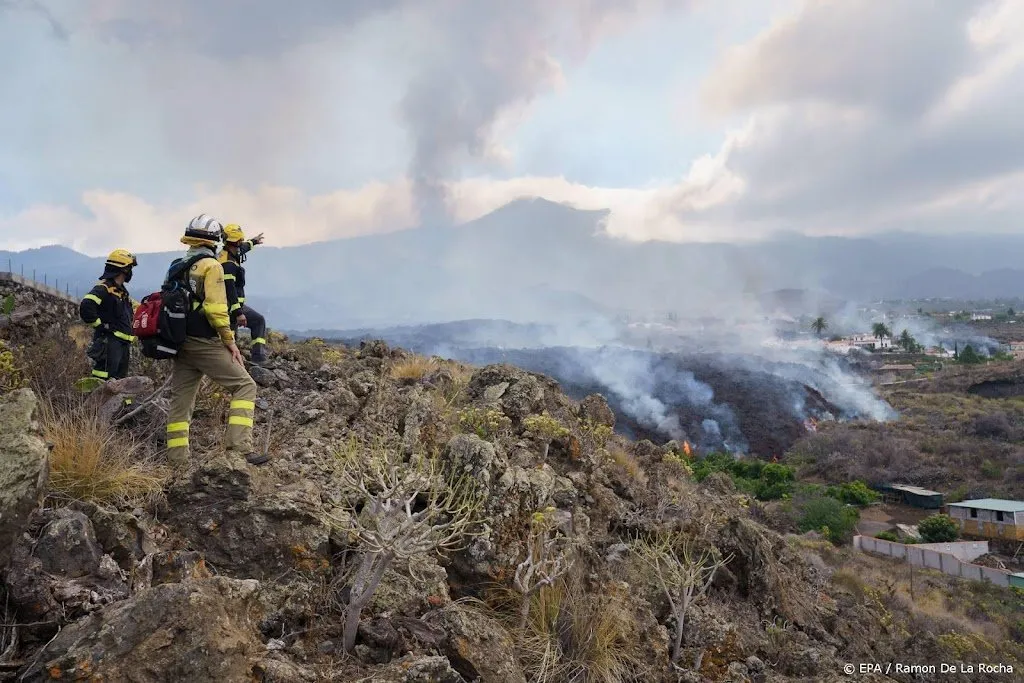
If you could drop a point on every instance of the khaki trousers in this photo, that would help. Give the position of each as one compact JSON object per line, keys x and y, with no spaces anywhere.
{"x":198,"y":357}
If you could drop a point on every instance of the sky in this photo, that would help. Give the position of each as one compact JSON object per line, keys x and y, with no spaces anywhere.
{"x":705,"y":120}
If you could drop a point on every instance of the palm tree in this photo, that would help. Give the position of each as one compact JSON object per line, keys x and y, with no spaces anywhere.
{"x":880,"y":332}
{"x":819,"y":325}
{"x":908,"y":342}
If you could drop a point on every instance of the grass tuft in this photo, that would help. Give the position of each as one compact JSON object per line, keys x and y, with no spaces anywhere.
{"x":413,"y":368}
{"x":573,"y":635}
{"x":90,"y":461}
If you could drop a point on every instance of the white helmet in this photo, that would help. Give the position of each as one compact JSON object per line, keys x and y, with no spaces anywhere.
{"x":203,"y":229}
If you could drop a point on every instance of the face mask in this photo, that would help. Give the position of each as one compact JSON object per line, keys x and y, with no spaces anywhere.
{"x":128,"y":275}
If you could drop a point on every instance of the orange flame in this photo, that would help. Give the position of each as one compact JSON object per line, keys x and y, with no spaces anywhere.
{"x":687,"y":449}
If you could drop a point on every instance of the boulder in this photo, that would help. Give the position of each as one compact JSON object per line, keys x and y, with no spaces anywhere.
{"x":468,"y":454}
{"x":374,"y":348}
{"x":413,"y":420}
{"x":262,"y":376}
{"x":196,"y":631}
{"x":476,"y":645}
{"x":122,"y":535}
{"x":517,"y":392}
{"x":68,"y":546}
{"x":594,"y":409}
{"x":108,"y":399}
{"x":170,"y":567}
{"x":58,"y":573}
{"x":247,"y":534}
{"x":24,"y":466}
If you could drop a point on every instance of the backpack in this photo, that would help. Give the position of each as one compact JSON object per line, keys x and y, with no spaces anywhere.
{"x":160,"y":320}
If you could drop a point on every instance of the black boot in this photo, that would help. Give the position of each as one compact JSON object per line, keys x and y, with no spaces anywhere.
{"x":255,"y":458}
{"x":259,"y":353}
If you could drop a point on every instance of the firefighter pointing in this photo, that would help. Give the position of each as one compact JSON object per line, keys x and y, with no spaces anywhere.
{"x":107,"y":308}
{"x":242,"y":315}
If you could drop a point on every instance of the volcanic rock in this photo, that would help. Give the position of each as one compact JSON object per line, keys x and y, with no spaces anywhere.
{"x":24,"y":466}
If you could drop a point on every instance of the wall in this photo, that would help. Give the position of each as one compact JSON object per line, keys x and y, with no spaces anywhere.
{"x":1009,"y":532}
{"x":929,"y":558}
{"x":18,"y":283}
{"x":39,"y":311}
{"x":965,"y":551}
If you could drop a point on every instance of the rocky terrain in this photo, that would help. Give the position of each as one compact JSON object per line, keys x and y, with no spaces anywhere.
{"x":421,"y":520}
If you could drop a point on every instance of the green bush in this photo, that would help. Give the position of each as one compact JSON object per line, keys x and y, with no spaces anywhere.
{"x":939,"y":529}
{"x":853,"y":493}
{"x":969,"y":356}
{"x":991,"y":470}
{"x":487,"y":423}
{"x":888,"y":536}
{"x":764,"y":481}
{"x":830,"y":517}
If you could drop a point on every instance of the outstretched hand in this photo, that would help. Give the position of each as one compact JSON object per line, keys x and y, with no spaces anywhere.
{"x":258,"y":239}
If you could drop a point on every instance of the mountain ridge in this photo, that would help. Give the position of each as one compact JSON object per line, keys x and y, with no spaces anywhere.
{"x":533,"y":260}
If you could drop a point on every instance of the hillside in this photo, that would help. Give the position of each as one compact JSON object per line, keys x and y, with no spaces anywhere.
{"x":536,"y":261}
{"x":557,"y":529}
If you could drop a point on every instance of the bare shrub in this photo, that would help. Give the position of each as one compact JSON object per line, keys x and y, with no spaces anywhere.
{"x":684,"y":573}
{"x":548,"y":557}
{"x":399,"y":511}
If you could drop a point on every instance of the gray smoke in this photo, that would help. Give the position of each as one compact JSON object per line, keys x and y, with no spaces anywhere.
{"x":38,"y":8}
{"x":489,"y":58}
{"x":464,"y":64}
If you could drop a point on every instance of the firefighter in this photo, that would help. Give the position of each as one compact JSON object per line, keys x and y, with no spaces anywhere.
{"x":209,"y":350}
{"x":107,"y":308}
{"x":242,"y":315}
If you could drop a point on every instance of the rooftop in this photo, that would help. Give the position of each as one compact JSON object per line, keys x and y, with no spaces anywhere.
{"x":914,"y":489}
{"x":992,"y":504}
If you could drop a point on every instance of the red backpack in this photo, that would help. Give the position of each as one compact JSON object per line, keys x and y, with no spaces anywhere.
{"x":147,"y":316}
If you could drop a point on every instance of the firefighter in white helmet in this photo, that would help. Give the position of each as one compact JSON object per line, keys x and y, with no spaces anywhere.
{"x":209,"y":350}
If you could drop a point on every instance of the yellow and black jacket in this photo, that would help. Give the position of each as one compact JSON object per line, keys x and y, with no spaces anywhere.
{"x":234,"y":276}
{"x":108,"y":307}
{"x":209,"y":316}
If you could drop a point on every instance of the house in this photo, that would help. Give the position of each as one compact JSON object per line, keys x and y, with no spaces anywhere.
{"x":868,"y":342}
{"x":990,"y":518}
{"x":1016,"y":349}
{"x":914,"y":496}
{"x":980,"y":316}
{"x":895,"y":372}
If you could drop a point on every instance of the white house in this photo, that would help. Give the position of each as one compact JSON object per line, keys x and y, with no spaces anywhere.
{"x":866,"y":341}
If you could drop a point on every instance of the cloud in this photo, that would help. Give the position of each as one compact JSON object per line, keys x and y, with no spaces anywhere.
{"x":863,"y":114}
{"x":254,"y":91}
{"x":288,"y":215}
{"x":334,"y":119}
